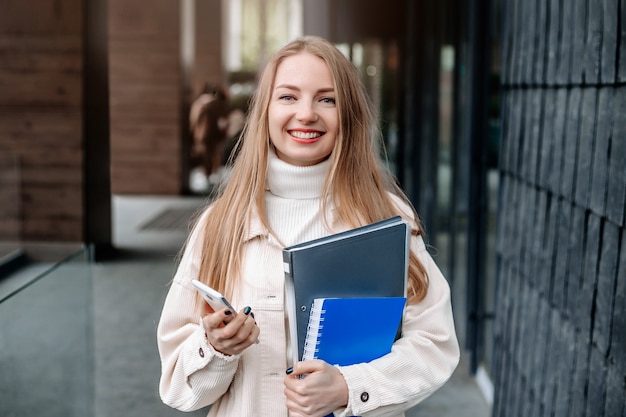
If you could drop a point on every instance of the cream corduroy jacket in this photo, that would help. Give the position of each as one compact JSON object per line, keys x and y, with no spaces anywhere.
{"x":195,"y":375}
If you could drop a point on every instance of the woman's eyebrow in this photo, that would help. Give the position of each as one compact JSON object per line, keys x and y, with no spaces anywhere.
{"x":287,"y":86}
{"x":293,"y":87}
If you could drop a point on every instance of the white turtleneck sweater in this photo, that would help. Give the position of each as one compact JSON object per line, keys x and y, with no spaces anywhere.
{"x":194,"y":375}
{"x":292,"y":199}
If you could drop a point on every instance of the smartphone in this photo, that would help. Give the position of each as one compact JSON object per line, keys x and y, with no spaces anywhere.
{"x":216,"y":300}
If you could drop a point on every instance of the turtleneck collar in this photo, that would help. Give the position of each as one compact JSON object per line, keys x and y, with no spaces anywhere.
{"x":295,"y":182}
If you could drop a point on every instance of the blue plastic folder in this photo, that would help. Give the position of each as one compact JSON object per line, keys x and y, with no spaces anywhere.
{"x":347,"y":331}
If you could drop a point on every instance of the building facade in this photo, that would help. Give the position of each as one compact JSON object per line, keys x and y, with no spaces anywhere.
{"x":503,"y":121}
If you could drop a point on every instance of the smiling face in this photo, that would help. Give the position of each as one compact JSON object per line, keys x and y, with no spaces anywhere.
{"x":302,"y":114}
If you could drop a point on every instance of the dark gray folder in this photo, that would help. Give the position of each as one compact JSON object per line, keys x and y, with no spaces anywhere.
{"x":369,"y":261}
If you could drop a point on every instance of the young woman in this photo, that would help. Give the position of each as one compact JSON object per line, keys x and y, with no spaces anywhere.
{"x":307,"y":167}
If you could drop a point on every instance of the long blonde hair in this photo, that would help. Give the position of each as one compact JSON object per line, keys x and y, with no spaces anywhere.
{"x":357,"y":182}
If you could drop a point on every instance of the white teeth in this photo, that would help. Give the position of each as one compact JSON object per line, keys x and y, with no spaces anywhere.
{"x":305,"y":135}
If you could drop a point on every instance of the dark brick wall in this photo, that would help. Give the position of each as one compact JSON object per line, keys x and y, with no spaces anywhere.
{"x":560,"y":346}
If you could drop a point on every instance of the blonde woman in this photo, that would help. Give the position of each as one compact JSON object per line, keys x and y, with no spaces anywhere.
{"x":307,"y":167}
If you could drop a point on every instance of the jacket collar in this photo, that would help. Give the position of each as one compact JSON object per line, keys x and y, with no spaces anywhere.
{"x":254,"y":227}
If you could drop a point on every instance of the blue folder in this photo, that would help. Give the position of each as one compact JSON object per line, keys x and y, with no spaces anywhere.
{"x":347,"y":331}
{"x":369,"y":261}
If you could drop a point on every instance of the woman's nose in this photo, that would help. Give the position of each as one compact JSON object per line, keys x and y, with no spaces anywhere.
{"x":306,"y":112}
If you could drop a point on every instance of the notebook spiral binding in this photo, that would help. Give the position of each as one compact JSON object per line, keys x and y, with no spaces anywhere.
{"x":314,"y":332}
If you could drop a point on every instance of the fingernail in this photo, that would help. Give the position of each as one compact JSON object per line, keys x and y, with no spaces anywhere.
{"x":289,"y":371}
{"x":247,"y":310}
{"x":252,"y":314}
{"x":228,"y":312}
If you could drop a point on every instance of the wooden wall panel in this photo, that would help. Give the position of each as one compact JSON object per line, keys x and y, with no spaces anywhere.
{"x":42,"y":17}
{"x":41,"y":96}
{"x":40,"y":127}
{"x":10,"y":197}
{"x":145,"y":99}
{"x":208,"y":64}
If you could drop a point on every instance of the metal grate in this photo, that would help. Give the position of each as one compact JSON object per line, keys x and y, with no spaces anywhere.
{"x":171,"y":219}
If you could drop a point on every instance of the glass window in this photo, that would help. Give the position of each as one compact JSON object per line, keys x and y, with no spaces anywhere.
{"x":256,"y":28}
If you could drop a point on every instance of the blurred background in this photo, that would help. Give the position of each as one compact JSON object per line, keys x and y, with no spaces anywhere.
{"x":502,"y":120}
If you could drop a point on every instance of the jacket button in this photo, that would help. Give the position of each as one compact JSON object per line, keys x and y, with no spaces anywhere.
{"x":201,"y":353}
{"x":364,"y":397}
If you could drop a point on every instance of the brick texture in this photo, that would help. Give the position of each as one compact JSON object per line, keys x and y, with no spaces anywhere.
{"x":560,"y":325}
{"x":41,"y":116}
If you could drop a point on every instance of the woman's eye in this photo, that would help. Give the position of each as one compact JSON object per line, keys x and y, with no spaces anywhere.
{"x":328,"y":100}
{"x":286,"y":98}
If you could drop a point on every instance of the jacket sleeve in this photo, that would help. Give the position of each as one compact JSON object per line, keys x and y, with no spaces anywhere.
{"x":193,"y":373}
{"x":420,"y":362}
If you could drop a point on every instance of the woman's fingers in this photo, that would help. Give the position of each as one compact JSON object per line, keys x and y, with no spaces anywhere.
{"x":229,"y":333}
{"x":218,"y":319}
{"x":314,"y":388}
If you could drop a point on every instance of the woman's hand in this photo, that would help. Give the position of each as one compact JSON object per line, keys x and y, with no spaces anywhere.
{"x":231,"y":334}
{"x":315,"y":388}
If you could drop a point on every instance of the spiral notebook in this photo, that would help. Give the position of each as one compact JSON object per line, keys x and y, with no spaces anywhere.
{"x":369,"y":261}
{"x":347,"y":331}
